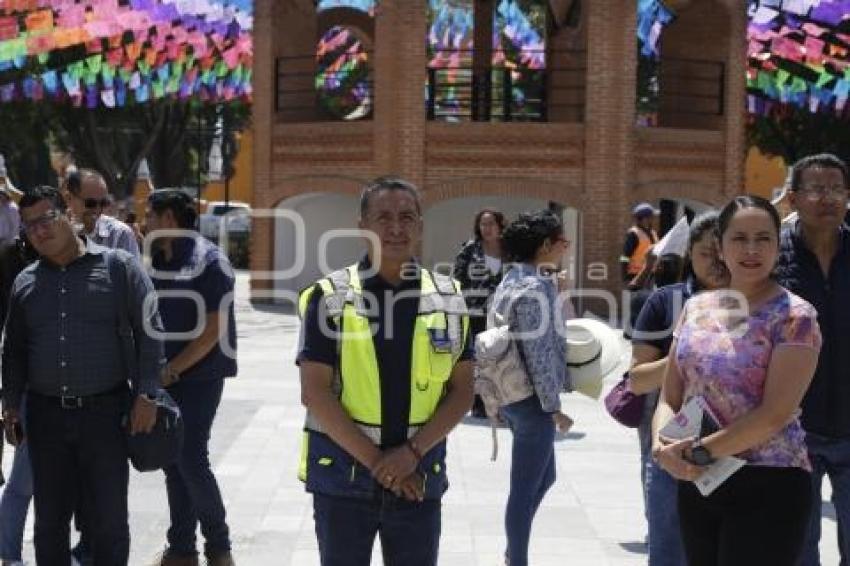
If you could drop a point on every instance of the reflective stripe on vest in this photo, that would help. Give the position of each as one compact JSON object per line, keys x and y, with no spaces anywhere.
{"x":638,"y":257}
{"x":439,"y":335}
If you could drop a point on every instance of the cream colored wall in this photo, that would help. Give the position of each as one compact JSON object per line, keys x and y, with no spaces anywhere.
{"x":763,"y":174}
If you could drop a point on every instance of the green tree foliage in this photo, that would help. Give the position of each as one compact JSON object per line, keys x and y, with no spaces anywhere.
{"x":791,"y":133}
{"x":24,"y":144}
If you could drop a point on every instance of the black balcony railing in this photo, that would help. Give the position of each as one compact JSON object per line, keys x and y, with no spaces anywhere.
{"x":507,"y":92}
{"x":692,"y":86}
{"x":678,"y":92}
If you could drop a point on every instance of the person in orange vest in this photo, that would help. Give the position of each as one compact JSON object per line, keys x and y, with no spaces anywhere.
{"x":639,"y":239}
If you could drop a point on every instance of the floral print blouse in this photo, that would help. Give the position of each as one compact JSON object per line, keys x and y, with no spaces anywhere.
{"x":528,"y":302}
{"x":726,"y":362}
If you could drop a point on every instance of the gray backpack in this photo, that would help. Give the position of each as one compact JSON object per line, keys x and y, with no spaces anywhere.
{"x":500,"y":375}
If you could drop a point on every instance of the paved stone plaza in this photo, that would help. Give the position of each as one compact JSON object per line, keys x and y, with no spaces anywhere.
{"x":591,"y":517}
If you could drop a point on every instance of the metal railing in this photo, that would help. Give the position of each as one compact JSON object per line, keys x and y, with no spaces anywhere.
{"x":692,"y":86}
{"x":508,"y":92}
{"x":687,"y":93}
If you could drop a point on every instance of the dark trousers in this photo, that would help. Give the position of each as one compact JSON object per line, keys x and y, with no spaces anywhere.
{"x":75,"y":451}
{"x":758,"y":516}
{"x":346,"y":529}
{"x":193,"y":494}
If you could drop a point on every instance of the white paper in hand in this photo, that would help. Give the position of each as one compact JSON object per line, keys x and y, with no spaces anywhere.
{"x":696,"y":420}
{"x":675,"y":241}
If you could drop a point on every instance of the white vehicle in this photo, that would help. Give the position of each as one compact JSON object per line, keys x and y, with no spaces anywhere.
{"x":235,"y":215}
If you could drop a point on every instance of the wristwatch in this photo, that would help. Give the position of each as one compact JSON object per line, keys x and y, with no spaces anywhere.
{"x":700,"y":455}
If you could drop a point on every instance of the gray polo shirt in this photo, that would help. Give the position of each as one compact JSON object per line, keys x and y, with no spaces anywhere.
{"x":62,"y":331}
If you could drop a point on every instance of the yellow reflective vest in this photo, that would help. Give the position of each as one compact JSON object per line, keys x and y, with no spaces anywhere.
{"x":439,"y":336}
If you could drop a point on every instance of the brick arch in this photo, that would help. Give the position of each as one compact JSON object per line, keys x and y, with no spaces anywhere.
{"x":567,"y":194}
{"x":284,"y":188}
{"x":677,"y":189}
{"x":360,"y":22}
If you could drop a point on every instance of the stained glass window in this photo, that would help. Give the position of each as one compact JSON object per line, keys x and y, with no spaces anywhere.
{"x":342,"y":75}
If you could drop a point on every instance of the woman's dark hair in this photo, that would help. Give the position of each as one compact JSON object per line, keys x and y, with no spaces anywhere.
{"x":743,"y":202}
{"x":497,"y":216}
{"x":179,"y":203}
{"x":40,"y":193}
{"x":131,"y":218}
{"x":523,"y":237}
{"x":706,"y":224}
{"x":669,"y":270}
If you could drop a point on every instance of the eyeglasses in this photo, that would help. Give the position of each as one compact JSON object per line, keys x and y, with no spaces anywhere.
{"x":95,"y":203}
{"x":46,"y":220}
{"x":834,"y":193}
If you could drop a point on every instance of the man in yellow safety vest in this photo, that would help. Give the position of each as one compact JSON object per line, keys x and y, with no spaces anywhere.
{"x":386,"y":374}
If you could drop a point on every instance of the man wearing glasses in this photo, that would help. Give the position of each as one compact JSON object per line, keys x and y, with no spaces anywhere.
{"x":63,"y":348}
{"x":87,"y":196}
{"x":814,"y":262}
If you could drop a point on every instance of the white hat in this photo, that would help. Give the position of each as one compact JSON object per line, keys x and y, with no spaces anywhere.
{"x":593,"y":351}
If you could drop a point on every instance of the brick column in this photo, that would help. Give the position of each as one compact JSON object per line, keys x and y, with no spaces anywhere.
{"x":735,"y":110}
{"x":262,"y":238}
{"x":609,"y":135}
{"x":400,"y":62}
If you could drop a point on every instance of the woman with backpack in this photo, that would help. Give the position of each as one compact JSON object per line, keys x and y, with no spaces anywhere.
{"x":527,"y":300}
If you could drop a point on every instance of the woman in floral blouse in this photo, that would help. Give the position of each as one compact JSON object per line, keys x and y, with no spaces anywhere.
{"x":750,"y":352}
{"x":478,"y":268}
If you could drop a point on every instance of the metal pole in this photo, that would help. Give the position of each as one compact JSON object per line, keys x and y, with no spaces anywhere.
{"x":224,"y":159}
{"x":200,"y":156}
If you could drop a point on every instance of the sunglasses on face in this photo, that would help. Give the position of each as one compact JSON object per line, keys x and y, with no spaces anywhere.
{"x":95,"y":203}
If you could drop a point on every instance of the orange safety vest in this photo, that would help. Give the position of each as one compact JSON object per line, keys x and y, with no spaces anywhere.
{"x":638,"y":257}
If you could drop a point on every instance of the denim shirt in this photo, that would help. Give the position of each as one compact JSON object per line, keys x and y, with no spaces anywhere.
{"x":528,"y":302}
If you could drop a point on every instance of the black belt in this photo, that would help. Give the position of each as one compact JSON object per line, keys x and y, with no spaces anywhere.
{"x":72,"y":402}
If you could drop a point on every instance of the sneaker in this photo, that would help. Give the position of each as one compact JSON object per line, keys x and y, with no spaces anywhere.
{"x":221,"y":559}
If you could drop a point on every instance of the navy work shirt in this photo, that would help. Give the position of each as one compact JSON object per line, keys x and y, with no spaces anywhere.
{"x":394,"y":352}
{"x":198,"y":267}
{"x":826,"y":406}
{"x":659,"y":315}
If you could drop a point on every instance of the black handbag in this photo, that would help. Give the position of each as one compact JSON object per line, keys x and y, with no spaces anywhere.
{"x":160,"y":447}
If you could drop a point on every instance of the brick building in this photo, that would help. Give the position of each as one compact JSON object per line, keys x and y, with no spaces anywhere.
{"x":578,"y":149}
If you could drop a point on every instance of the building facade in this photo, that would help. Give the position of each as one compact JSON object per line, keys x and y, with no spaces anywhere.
{"x":475,"y":121}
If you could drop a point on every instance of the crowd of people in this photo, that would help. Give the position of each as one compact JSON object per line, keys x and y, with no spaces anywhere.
{"x":749,"y":318}
{"x":84,"y":365}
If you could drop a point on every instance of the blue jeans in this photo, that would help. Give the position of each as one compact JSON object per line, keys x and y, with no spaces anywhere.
{"x":830,"y":456}
{"x":15,"y":502}
{"x":346,"y":529}
{"x":532,"y":472}
{"x":645,"y":441}
{"x":665,"y":537}
{"x":193,"y":494}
